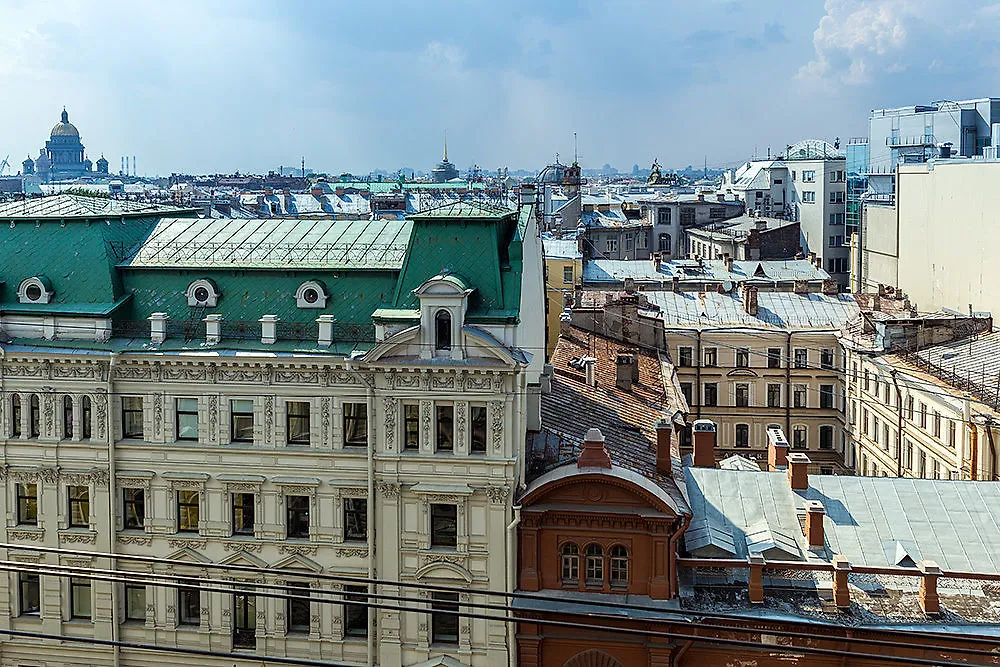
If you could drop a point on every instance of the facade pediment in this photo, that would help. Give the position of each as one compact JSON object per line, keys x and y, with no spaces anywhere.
{"x":298,"y":562}
{"x":244,"y":558}
{"x":188,"y":555}
{"x":442,"y":569}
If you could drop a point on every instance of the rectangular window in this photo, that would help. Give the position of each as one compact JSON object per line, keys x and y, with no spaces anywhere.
{"x":355,"y":615}
{"x":923,"y":415}
{"x":611,"y":245}
{"x":297,"y":608}
{"x":711,"y":394}
{"x":774,"y":357}
{"x":801,"y":357}
{"x":885,"y":437}
{"x":716,"y":212}
{"x":29,"y":594}
{"x":132,"y":417}
{"x":686,"y":390}
{"x":826,"y":437}
{"x":79,"y":598}
{"x":79,"y":506}
{"x":355,"y":424}
{"x":189,"y":604}
{"x":244,"y":621}
{"x":864,"y":420}
{"x":937,"y":424}
{"x":244,"y":506}
{"x":567,"y":275}
{"x":355,"y":519}
{"x":444,"y":526}
{"x":808,"y":197}
{"x":444,"y":618}
{"x":935,"y":469}
{"x":685,"y":356}
{"x":800,"y":398}
{"x":921,"y":464}
{"x":135,"y":602}
{"x":297,"y":422}
{"x":742,"y":395}
{"x":800,"y":437}
{"x":826,"y":396}
{"x":909,"y":408}
{"x":241,"y":418}
{"x":808,"y":175}
{"x":742,"y":435}
{"x":188,"y":511}
{"x":711,"y":356}
{"x":663,"y":216}
{"x":826,"y":359}
{"x":477,"y":432}
{"x":186,"y":418}
{"x":951,"y":432}
{"x":688,"y":215}
{"x":445,"y":428}
{"x":133,"y":509}
{"x":27,"y":504}
{"x":297,"y":517}
{"x":411,"y":426}
{"x":743,"y":357}
{"x":836,"y":197}
{"x":774,"y":395}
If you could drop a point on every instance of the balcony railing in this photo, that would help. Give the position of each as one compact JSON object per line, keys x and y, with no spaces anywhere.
{"x":244,"y":330}
{"x":907,"y":142}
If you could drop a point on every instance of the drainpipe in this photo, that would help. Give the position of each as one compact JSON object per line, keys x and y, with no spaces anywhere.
{"x":788,"y":383}
{"x":992,"y":470}
{"x":674,"y":584}
{"x":512,"y":581}
{"x":112,"y":520}
{"x":697,"y":368}
{"x":370,"y":512}
{"x":899,"y":424}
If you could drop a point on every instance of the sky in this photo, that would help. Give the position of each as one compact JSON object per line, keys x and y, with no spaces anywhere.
{"x":200,"y":86}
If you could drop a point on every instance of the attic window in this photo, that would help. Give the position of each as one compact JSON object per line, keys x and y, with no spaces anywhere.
{"x":442,"y":330}
{"x":202,"y":294}
{"x":311,"y":294}
{"x":34,"y":290}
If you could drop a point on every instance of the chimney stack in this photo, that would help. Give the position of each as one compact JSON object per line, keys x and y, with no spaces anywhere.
{"x":704,"y":443}
{"x":729,"y":262}
{"x":720,"y":196}
{"x":528,"y":193}
{"x":664,"y":461}
{"x":760,"y":225}
{"x":213,"y":328}
{"x":750,"y":300}
{"x":268,"y":329}
{"x":814,"y":525}
{"x":588,"y":368}
{"x":701,"y":197}
{"x":630,"y":285}
{"x":626,"y":370}
{"x":777,"y":450}
{"x":594,"y":455}
{"x":830,"y":287}
{"x":325,"y":323}
{"x":158,"y":327}
{"x":675,"y":283}
{"x":798,"y":471}
{"x":656,"y":262}
{"x":577,"y":295}
{"x":801,"y":286}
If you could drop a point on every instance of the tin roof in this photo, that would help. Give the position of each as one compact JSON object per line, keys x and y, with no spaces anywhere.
{"x":714,"y":270}
{"x":777,"y":310}
{"x":78,"y":206}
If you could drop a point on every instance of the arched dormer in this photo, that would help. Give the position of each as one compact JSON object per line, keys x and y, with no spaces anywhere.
{"x":311,"y":294}
{"x":203,"y":293}
{"x":36,"y":289}
{"x":444,"y":301}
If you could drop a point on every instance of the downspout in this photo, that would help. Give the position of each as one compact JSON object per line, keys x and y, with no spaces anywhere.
{"x":112,"y":520}
{"x":974,"y":446}
{"x":788,"y":383}
{"x":512,"y":582}
{"x":675,"y":585}
{"x":697,"y":367}
{"x":899,"y":423}
{"x":370,"y":511}
{"x":993,"y":450}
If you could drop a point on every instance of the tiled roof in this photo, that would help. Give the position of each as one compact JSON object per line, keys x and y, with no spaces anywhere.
{"x":626,"y":419}
{"x":79,"y":206}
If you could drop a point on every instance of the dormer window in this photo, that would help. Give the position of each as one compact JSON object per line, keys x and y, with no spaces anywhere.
{"x":36,"y":289}
{"x":203,"y":294}
{"x":442,"y":330}
{"x":311,"y":294}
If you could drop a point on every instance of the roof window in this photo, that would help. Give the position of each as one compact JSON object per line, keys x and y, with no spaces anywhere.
{"x":311,"y":294}
{"x":203,"y":294}
{"x":36,"y":289}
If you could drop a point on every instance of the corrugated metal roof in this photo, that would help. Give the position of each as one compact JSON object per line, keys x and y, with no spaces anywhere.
{"x":79,"y":206}
{"x":779,"y":310}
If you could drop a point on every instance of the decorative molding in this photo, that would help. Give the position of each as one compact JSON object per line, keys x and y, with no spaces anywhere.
{"x":213,"y":418}
{"x":22,"y":370}
{"x":454,"y":559}
{"x":359,"y":552}
{"x":496,"y":414}
{"x":296,"y":377}
{"x":185,"y":373}
{"x":157,"y":415}
{"x":324,"y":408}
{"x":268,"y":419}
{"x":77,"y":538}
{"x":134,"y":372}
{"x":49,"y":475}
{"x":100,"y":478}
{"x":240,"y":375}
{"x":100,"y":403}
{"x":249,"y":547}
{"x":181,"y":543}
{"x":442,"y":381}
{"x":298,"y":549}
{"x":133,"y":482}
{"x":137,"y":540}
{"x":25,"y":535}
{"x":426,"y":417}
{"x":476,"y":382}
{"x":341,"y":377}
{"x":75,"y":372}
{"x":388,"y":489}
{"x":460,"y":409}
{"x":497,"y":494}
{"x":390,"y":406}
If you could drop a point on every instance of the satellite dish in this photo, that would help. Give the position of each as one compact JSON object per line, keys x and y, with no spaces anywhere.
{"x":727,"y":286}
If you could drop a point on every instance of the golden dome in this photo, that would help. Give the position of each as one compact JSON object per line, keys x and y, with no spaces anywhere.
{"x":64,"y":128}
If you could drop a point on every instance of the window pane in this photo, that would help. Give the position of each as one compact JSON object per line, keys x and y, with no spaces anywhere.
{"x":478,"y":433}
{"x":187,"y":418}
{"x":189,"y":604}
{"x":411,"y":423}
{"x":355,"y":615}
{"x":444,"y":526}
{"x":355,"y":424}
{"x":27,"y":504}
{"x":297,"y":516}
{"x":187,"y":511}
{"x":243,"y":513}
{"x":79,"y":506}
{"x":445,"y":428}
{"x":297,"y":422}
{"x":355,"y":519}
{"x":444,"y":625}
{"x":79,"y":598}
{"x":135,"y":602}
{"x":298,"y":610}
{"x":134,"y":514}
{"x":29,"y":593}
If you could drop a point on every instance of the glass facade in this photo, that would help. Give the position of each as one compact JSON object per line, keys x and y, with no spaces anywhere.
{"x":857,"y":182}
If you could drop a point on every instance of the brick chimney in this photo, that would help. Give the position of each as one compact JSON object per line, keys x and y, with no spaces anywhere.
{"x":841,"y":576}
{"x":701,"y":197}
{"x":750,"y":300}
{"x":630,"y":285}
{"x":929,"y":600}
{"x":720,"y":196}
{"x":594,"y":455}
{"x":814,"y":525}
{"x":675,"y":284}
{"x":801,"y":286}
{"x":704,"y":443}
{"x":664,"y":461}
{"x":626,"y":370}
{"x":830,"y":287}
{"x":798,"y":471}
{"x":777,"y":450}
{"x":656,"y":262}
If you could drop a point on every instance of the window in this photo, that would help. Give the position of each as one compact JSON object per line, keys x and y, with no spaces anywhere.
{"x":836,"y":197}
{"x":908,"y":458}
{"x":800,"y":437}
{"x":937,"y":424}
{"x":29,"y":593}
{"x":921,"y":464}
{"x":743,"y":357}
{"x":442,"y":330}
{"x":241,"y":416}
{"x":836,"y":241}
{"x":189,"y":604}
{"x":567,"y":275}
{"x":808,"y":175}
{"x":79,"y":598}
{"x":777,"y":181}
{"x":187,"y":418}
{"x":297,"y":517}
{"x":801,"y":357}
{"x":687,"y":215}
{"x":923,"y":415}
{"x":663,"y":216}
{"x":685,"y":356}
{"x":611,"y":245}
{"x":133,"y":509}
{"x":619,"y":566}
{"x":717,"y":212}
{"x":15,"y":415}
{"x":35,"y":416}
{"x":297,"y":608}
{"x":132,"y":417}
{"x":887,"y":392}
{"x":826,"y":437}
{"x":188,"y":511}
{"x":742,"y":435}
{"x":297,"y":422}
{"x":935,"y":469}
{"x":774,"y":395}
{"x":867,"y":381}
{"x":27,"y":504}
{"x":244,"y":621}
{"x":445,"y":431}
{"x":711,"y":356}
{"x":355,"y":519}
{"x":800,"y":397}
{"x":774,"y":357}
{"x":686,"y":390}
{"x":411,"y":426}
{"x":951,"y":433}
{"x":793,"y":175}
{"x":135,"y":602}
{"x":444,"y":618}
{"x":742,"y":395}
{"x":444,"y":526}
{"x":826,"y":396}
{"x":477,"y":432}
{"x":875,"y":425}
{"x":885,"y":437}
{"x":826,"y":359}
{"x":355,"y":615}
{"x":808,"y":197}
{"x":711,"y":394}
{"x":67,"y":417}
{"x":244,"y":506}
{"x":909,"y":408}
{"x":836,"y":219}
{"x":87,"y":411}
{"x":355,"y":424}
{"x":595,"y":565}
{"x":79,"y":506}
{"x":570,"y":564}
{"x":663,"y":243}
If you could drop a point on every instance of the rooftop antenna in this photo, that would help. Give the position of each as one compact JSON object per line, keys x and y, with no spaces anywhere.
{"x":133,"y":166}
{"x":576,"y":153}
{"x":446,"y":145}
{"x":303,"y":166}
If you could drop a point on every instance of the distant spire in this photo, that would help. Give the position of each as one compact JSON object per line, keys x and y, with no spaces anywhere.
{"x":65,"y":116}
{"x":446,"y":145}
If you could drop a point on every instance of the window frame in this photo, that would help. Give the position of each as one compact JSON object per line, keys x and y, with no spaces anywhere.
{"x":442,"y":330}
{"x":244,"y":634}
{"x":711,"y":357}
{"x":180,"y":415}
{"x":444,"y":427}
{"x":355,"y":513}
{"x":741,"y":394}
{"x":619,"y":570}
{"x":742,"y":357}
{"x":302,"y":434}
{"x":478,"y":429}
{"x":774,"y":357}
{"x":443,"y":515}
{"x":353,"y":613}
{"x":714,"y":402}
{"x":411,"y":420}
{"x":188,"y":598}
{"x":132,"y":503}
{"x":27,"y":503}
{"x":67,"y":417}
{"x":594,"y":565}
{"x":238,"y":418}
{"x":244,"y":511}
{"x":298,"y":607}
{"x":80,"y":590}
{"x":129,"y":412}
{"x":569,"y":564}
{"x":743,"y":429}
{"x":826,"y":428}
{"x":774,"y":397}
{"x":133,"y":613}
{"x":685,"y":356}
{"x":25,"y":581}
{"x":355,"y":422}
{"x":294,"y":518}
{"x":78,"y":505}
{"x":445,"y":628}
{"x":183,"y":500}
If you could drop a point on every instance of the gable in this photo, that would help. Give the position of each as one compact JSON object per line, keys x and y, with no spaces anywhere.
{"x":596,"y":492}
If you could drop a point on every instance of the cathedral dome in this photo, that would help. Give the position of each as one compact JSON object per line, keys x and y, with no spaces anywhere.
{"x":65,"y":128}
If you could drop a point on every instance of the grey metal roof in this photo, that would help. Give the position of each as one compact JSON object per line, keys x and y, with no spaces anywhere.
{"x":79,"y":206}
{"x":643,"y":270}
{"x":974,"y":360}
{"x":777,"y":310}
{"x":565,"y":247}
{"x":274,"y":243}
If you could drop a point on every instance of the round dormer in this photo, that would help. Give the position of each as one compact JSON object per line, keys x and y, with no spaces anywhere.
{"x":203,"y":293}
{"x":311,"y":294}
{"x":36,"y":289}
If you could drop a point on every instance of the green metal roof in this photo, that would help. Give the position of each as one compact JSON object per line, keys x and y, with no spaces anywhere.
{"x":66,"y":206}
{"x":464,"y":209}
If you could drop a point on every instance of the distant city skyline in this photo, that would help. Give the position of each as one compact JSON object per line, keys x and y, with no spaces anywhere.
{"x":252,"y":86}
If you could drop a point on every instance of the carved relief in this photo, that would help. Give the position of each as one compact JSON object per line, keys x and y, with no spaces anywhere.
{"x":26,"y":535}
{"x":48,"y":412}
{"x":352,"y":553}
{"x":213,"y":419}
{"x":75,"y":371}
{"x":390,"y":405}
{"x":100,"y":402}
{"x":324,"y":407}
{"x":137,"y":540}
{"x":240,"y":375}
{"x":497,"y":494}
{"x":77,"y":538}
{"x":296,"y":377}
{"x":249,"y":547}
{"x":49,"y":475}
{"x":454,"y":559}
{"x":134,"y":482}
{"x":496,"y":420}
{"x":426,"y":408}
{"x":340,"y":377}
{"x":157,"y":415}
{"x":443,"y":381}
{"x":460,"y":409}
{"x":133,"y":372}
{"x":268,"y":418}
{"x":388,"y":489}
{"x":22,"y":370}
{"x":298,"y":549}
{"x":186,"y":543}
{"x":185,"y":373}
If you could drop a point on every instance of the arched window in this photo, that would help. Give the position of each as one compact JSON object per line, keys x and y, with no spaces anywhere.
{"x":664,"y":243}
{"x":570,"y":564}
{"x":86,"y":418}
{"x":595,"y":564}
{"x":619,"y":565}
{"x":15,"y":415}
{"x":442,"y":330}
{"x":67,"y":417}
{"x":36,"y":417}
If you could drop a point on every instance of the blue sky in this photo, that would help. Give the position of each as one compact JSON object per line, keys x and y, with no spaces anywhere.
{"x":220,"y":86}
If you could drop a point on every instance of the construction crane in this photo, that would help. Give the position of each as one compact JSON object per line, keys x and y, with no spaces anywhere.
{"x":4,"y":165}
